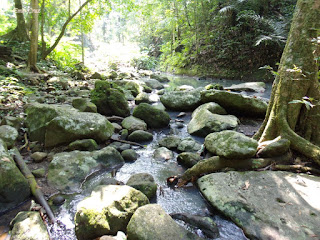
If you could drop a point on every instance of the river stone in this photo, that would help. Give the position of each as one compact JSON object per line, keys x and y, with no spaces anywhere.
{"x":39,"y":173}
{"x":11,"y":121}
{"x":143,"y":182}
{"x":248,"y":87}
{"x":211,"y":107}
{"x":184,"y":88}
{"x":142,"y":98}
{"x":68,"y":170}
{"x":39,"y":156}
{"x":160,"y":78}
{"x":129,"y":155}
{"x":107,"y":211}
{"x":59,"y":124}
{"x":274,"y":148}
{"x":162,"y":153}
{"x":189,"y":145}
{"x":29,"y":226}
{"x":14,"y":188}
{"x":170,"y":142}
{"x":84,"y":105}
{"x":268,"y":204}
{"x":110,"y":100}
{"x":188,"y":159}
{"x":96,"y":75}
{"x":236,"y":103}
{"x":140,"y":136}
{"x":132,"y":123}
{"x":231,"y":144}
{"x":181,"y":100}
{"x":152,"y":222}
{"x":83,"y":145}
{"x":9,"y":135}
{"x":155,"y":118}
{"x":154,"y":84}
{"x":62,"y":82}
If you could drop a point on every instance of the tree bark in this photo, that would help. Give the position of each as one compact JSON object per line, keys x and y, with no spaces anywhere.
{"x":32,"y":59}
{"x":297,"y":78}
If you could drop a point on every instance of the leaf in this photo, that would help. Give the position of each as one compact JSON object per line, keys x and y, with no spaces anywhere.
{"x":5,"y":159}
{"x":246,"y":185}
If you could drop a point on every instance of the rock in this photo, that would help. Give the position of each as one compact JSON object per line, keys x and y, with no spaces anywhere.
{"x":38,"y":156}
{"x":251,"y":200}
{"x":188,"y":159}
{"x":162,"y":153}
{"x":124,"y":133}
{"x":61,"y":82}
{"x":96,"y":75}
{"x":184,"y":88}
{"x":60,"y":124}
{"x":135,"y":87}
{"x":159,"y":106}
{"x":110,"y":100}
{"x":216,"y":86}
{"x":142,"y":98}
{"x":107,"y":211}
{"x":120,"y":236}
{"x":154,"y":84}
{"x":181,"y":100}
{"x":231,"y":144}
{"x":132,"y":124}
{"x":273,"y":148}
{"x":9,"y":135}
{"x":170,"y":142}
{"x":189,"y":145}
{"x":124,"y":147}
{"x":154,"y":117}
{"x":143,"y":182}
{"x":236,"y":103}
{"x":205,"y":121}
{"x":14,"y":188}
{"x":57,"y":200}
{"x":211,"y":107}
{"x":84,"y":105}
{"x":117,"y":127}
{"x":83,"y":145}
{"x":140,"y":136}
{"x":109,"y":181}
{"x":39,"y":173}
{"x":152,"y":222}
{"x":248,"y":87}
{"x":68,"y":170}
{"x":129,"y":155}
{"x":161,"y":79}
{"x":11,"y":121}
{"x":29,"y":226}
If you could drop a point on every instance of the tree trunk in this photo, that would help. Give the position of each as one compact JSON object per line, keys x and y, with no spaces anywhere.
{"x":43,"y":42}
{"x":32,"y":59}
{"x":297,"y":78}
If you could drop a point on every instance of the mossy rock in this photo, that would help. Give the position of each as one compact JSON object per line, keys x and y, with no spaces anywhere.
{"x":84,"y":105}
{"x":143,"y":182}
{"x":155,"y":118}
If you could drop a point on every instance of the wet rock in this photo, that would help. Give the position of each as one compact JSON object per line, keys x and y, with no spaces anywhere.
{"x":152,"y":222}
{"x":231,"y":144}
{"x":11,"y":121}
{"x":154,"y":84}
{"x":9,"y":135}
{"x":273,"y":148}
{"x":120,"y":236}
{"x":68,"y":170}
{"x":109,"y":181}
{"x":236,"y":103}
{"x":39,"y":156}
{"x":248,"y":87}
{"x":211,"y":107}
{"x":189,"y":145}
{"x":159,"y":106}
{"x":140,"y":136}
{"x":188,"y":159}
{"x":124,"y":133}
{"x":143,"y":182}
{"x":162,"y":153}
{"x":14,"y":187}
{"x":160,"y":78}
{"x":124,"y":147}
{"x":117,"y":127}
{"x":39,"y":173}
{"x":58,"y":200}
{"x":132,"y":124}
{"x":83,"y":145}
{"x":29,"y":226}
{"x":154,"y":117}
{"x":184,"y":88}
{"x":129,"y":155}
{"x":181,"y":100}
{"x":135,"y":87}
{"x":107,"y":211}
{"x":84,"y":105}
{"x":251,"y":200}
{"x":170,"y":142}
{"x":161,"y":92}
{"x":142,"y":98}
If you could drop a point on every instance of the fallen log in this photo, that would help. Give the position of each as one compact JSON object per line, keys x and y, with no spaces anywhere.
{"x":295,"y":168}
{"x":35,"y":189}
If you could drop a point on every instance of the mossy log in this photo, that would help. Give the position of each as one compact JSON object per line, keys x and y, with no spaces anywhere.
{"x":35,"y":189}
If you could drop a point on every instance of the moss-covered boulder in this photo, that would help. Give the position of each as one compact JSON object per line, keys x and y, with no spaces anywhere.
{"x":132,"y":123}
{"x":14,"y":188}
{"x":170,"y":142}
{"x":142,"y":98}
{"x":274,"y":148}
{"x":83,"y":145}
{"x":129,"y":155}
{"x":8,"y":134}
{"x":110,"y":99}
{"x":248,"y":87}
{"x":162,"y":153}
{"x":84,"y":105}
{"x":143,"y":182}
{"x":29,"y":226}
{"x":152,"y":222}
{"x":155,"y":118}
{"x":107,"y":211}
{"x":189,"y":145}
{"x":68,"y":170}
{"x":236,"y":103}
{"x":140,"y":136}
{"x":188,"y":159}
{"x":231,"y":144}
{"x":61,"y":124}
{"x":153,"y":83}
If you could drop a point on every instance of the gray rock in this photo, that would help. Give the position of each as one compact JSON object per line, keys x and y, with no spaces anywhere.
{"x":9,"y":135}
{"x":273,"y":148}
{"x":162,"y":153}
{"x":154,"y":117}
{"x":231,"y":144}
{"x":83,"y":145}
{"x":68,"y":170}
{"x":248,"y":87}
{"x":160,"y":78}
{"x":38,"y":156}
{"x":143,"y":182}
{"x":142,"y":98}
{"x":153,"y":83}
{"x":184,"y":88}
{"x":170,"y":142}
{"x":140,"y":136}
{"x":124,"y":133}
{"x":61,"y":82}
{"x":132,"y":124}
{"x":268,"y":204}
{"x":159,"y":106}
{"x":107,"y":211}
{"x":11,"y":121}
{"x":211,"y":107}
{"x":236,"y":103}
{"x":117,"y":127}
{"x":129,"y":155}
{"x":152,"y":222}
{"x":84,"y":105}
{"x":189,"y":145}
{"x":124,"y":147}
{"x":29,"y":226}
{"x":39,"y":173}
{"x":188,"y":159}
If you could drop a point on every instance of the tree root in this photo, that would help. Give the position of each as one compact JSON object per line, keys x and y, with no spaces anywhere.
{"x":295,"y":168}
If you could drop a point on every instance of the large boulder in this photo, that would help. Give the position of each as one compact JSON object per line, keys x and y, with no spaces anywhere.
{"x":68,"y":170}
{"x":231,"y":144}
{"x":236,"y":103}
{"x":29,"y":226}
{"x":155,"y":118}
{"x":153,"y":83}
{"x":274,"y":148}
{"x":268,"y":204}
{"x":140,"y":136}
{"x":188,"y":159}
{"x":109,"y":99}
{"x":132,"y":124}
{"x":170,"y":142}
{"x":14,"y":188}
{"x":182,"y":100}
{"x":189,"y":145}
{"x":248,"y":87}
{"x":61,"y":124}
{"x":152,"y":222}
{"x":205,"y":120}
{"x":143,"y":182}
{"x":8,"y":134}
{"x":84,"y":105}
{"x":107,"y":211}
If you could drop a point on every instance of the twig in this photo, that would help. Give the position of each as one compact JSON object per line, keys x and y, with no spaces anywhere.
{"x":128,"y":142}
{"x":296,"y":168}
{"x":26,"y":142}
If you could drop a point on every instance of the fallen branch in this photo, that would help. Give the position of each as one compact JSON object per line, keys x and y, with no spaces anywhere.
{"x":128,"y":142}
{"x":115,"y":119}
{"x":295,"y":168}
{"x":35,"y":189}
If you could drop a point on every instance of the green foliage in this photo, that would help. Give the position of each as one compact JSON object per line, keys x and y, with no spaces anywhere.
{"x":308,"y":102}
{"x":145,"y":62}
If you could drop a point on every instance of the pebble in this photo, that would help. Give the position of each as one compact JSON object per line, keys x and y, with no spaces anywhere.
{"x":58,"y":200}
{"x":38,"y":156}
